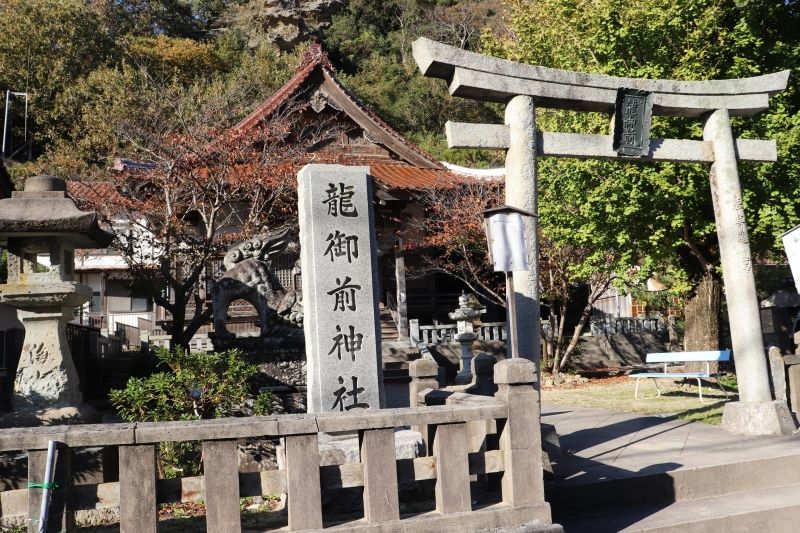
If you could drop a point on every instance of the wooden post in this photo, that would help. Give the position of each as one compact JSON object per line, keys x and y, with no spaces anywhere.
{"x":513,"y":345}
{"x":450,"y":447}
{"x":402,"y":301}
{"x":221,"y":473}
{"x":304,"y":501}
{"x":138,"y":510}
{"x":381,"y":502}
{"x":58,"y":518}
{"x":520,"y":436}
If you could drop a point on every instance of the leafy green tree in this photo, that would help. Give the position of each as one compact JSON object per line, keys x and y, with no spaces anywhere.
{"x":46,"y":46}
{"x":659,"y":216}
{"x":372,"y":44}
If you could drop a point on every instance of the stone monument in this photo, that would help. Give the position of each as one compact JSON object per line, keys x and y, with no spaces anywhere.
{"x":631,"y":101}
{"x":338,"y":260}
{"x":41,"y":220}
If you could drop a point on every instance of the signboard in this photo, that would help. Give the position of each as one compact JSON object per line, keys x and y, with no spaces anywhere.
{"x":632,"y":116}
{"x":508,"y":247}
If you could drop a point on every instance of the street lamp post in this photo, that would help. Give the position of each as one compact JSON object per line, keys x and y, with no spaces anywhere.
{"x":508,"y":252}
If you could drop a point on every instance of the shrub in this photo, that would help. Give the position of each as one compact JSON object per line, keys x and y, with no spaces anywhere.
{"x":190,"y":386}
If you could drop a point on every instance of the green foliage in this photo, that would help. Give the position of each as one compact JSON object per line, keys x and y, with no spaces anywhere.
{"x":195,"y":386}
{"x":3,"y":266}
{"x":372,"y":42}
{"x":47,"y":46}
{"x":647,"y":215}
{"x":191,"y":386}
{"x":88,"y":65}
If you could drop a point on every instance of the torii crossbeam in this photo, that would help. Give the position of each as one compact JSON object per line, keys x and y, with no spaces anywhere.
{"x":523,"y":87}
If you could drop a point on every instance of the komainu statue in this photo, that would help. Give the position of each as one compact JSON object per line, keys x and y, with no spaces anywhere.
{"x":249,"y":276}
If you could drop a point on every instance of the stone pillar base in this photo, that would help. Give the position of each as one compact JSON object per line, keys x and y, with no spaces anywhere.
{"x":758,"y":418}
{"x":51,"y":416}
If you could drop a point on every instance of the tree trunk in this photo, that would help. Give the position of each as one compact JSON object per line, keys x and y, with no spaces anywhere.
{"x":576,"y":335}
{"x":702,"y":320}
{"x":559,"y":343}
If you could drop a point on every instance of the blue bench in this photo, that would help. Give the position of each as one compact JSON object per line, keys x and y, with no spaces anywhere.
{"x":683,"y":357}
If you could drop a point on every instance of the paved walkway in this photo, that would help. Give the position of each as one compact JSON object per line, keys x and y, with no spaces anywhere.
{"x":599,"y":445}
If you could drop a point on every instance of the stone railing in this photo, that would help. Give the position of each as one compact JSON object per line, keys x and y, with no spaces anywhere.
{"x":453,"y":457}
{"x":199,"y":343}
{"x":487,"y":331}
{"x":641,"y":324}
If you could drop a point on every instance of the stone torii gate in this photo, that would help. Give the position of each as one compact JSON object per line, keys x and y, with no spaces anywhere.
{"x":523,"y":87}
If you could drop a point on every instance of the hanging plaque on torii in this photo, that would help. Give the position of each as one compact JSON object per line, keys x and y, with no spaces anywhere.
{"x":524,"y":87}
{"x":633,"y":113}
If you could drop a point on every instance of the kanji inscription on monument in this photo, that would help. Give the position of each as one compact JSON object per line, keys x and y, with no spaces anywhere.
{"x":342,"y":329}
{"x":632,"y":116}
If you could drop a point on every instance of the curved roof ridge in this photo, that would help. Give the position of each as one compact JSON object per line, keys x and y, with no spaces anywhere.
{"x":315,"y":57}
{"x":382,"y":123}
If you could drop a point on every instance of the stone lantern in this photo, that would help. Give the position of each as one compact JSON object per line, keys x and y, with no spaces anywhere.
{"x":42,"y":221}
{"x":465,"y":334}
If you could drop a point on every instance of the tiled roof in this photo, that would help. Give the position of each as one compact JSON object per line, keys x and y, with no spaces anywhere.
{"x":408,"y":177}
{"x":93,"y":191}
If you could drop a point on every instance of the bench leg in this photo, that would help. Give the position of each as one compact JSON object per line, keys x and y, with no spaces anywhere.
{"x":700,"y":390}
{"x":719,"y":384}
{"x":636,"y":390}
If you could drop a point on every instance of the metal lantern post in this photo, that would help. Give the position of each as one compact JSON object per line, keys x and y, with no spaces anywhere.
{"x":508,"y":252}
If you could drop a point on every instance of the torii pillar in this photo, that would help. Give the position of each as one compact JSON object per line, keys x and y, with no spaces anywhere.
{"x":521,"y":172}
{"x":522,"y":87}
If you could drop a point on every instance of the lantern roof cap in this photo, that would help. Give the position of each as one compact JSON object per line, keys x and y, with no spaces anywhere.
{"x":43,"y":209}
{"x":505,"y":209}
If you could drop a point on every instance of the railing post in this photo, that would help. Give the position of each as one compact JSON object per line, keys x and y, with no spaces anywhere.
{"x":450,"y":448}
{"x":59,"y":518}
{"x":381,"y":501}
{"x":413,"y":326}
{"x":304,"y":498}
{"x":138,"y":510}
{"x":424,"y":374}
{"x":520,"y":437}
{"x":221,"y":476}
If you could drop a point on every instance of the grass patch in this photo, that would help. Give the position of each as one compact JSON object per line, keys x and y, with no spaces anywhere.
{"x":616,"y":394}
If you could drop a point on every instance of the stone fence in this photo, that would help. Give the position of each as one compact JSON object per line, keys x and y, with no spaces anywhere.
{"x":453,"y":455}
{"x":200,"y":342}
{"x":641,"y":324}
{"x":438,"y":333}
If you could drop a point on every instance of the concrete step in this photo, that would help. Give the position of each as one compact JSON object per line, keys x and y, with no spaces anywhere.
{"x":767,"y":510}
{"x":678,"y":485}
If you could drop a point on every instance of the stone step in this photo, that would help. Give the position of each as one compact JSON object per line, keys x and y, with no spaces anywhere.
{"x":677,"y":485}
{"x":767,"y":510}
